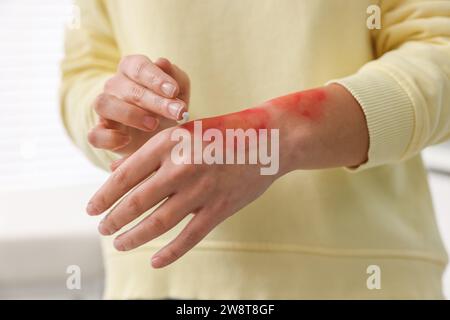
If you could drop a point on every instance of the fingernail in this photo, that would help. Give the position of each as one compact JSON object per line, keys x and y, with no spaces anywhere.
{"x":150,"y":123}
{"x":156,"y":261}
{"x":92,"y":209}
{"x":104,"y":230}
{"x":168,"y":89}
{"x":119,"y":245}
{"x":175,"y":109}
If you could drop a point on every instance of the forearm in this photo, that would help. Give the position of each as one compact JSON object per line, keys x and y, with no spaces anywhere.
{"x":320,"y":128}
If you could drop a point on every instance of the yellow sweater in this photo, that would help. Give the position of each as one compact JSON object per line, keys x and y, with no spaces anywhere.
{"x":313,"y":234}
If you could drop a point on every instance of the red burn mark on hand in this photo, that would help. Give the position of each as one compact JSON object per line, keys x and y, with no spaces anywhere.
{"x":306,"y":104}
{"x":255,"y":118}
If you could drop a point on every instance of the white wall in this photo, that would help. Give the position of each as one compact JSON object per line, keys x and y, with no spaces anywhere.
{"x":440,"y":188}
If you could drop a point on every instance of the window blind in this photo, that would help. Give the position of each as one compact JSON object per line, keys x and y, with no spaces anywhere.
{"x":34,"y":147}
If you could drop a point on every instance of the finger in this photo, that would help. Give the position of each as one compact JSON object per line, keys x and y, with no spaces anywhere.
{"x":197,"y":228}
{"x":165,"y":65}
{"x":116,"y":163}
{"x":179,"y":75}
{"x":141,"y":70}
{"x":164,"y":218}
{"x":109,"y":139}
{"x":145,"y":196}
{"x":134,"y":93}
{"x":112,"y":108}
{"x":110,"y":124}
{"x":183,"y":78}
{"x":133,"y":170}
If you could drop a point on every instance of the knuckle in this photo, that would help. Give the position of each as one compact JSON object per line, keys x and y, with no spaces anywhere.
{"x":126,"y":61}
{"x":112,"y":224}
{"x":154,"y":79}
{"x":164,"y":61}
{"x":158,"y":102}
{"x":156,"y":223}
{"x":127,"y":115}
{"x":180,"y":171}
{"x":128,"y":216}
{"x":129,"y":242}
{"x":160,"y":141}
{"x":135,"y":205}
{"x":92,"y":137}
{"x":120,"y":178}
{"x":134,"y":64}
{"x":207,"y":183}
{"x":100,"y":202}
{"x":141,"y":63}
{"x":136,"y":92}
{"x":190,"y":239}
{"x":222,"y":204}
{"x":102,"y":100}
{"x":137,"y":58}
{"x":109,"y":85}
{"x":190,"y":169}
{"x":173,"y":253}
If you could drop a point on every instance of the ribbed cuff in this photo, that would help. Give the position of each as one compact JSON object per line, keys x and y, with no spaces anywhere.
{"x":389,"y":114}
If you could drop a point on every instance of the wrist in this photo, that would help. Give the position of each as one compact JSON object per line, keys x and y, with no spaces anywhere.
{"x":320,"y":128}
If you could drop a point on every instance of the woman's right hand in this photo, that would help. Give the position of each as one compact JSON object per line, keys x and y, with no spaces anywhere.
{"x":140,"y":100}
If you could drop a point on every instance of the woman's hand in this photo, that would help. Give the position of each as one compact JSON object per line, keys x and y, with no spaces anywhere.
{"x":319,"y":128}
{"x":142,"y":99}
{"x":211,"y":192}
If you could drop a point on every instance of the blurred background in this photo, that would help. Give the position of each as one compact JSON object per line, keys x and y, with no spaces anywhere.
{"x":45,"y":181}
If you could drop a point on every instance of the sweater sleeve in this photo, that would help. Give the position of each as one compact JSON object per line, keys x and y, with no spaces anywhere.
{"x":91,"y":57}
{"x":405,"y":92}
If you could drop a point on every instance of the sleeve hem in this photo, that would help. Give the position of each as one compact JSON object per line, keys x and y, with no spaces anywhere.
{"x":389,"y":113}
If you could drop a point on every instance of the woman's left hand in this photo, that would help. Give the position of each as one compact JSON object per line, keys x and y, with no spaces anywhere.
{"x":211,"y":192}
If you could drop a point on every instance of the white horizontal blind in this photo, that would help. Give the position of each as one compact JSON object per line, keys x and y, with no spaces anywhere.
{"x":35,"y":151}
